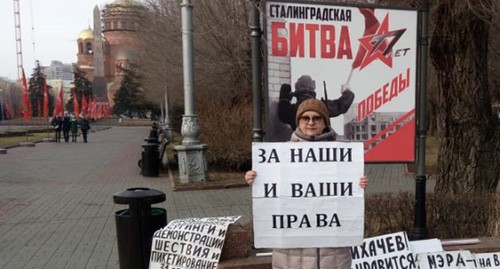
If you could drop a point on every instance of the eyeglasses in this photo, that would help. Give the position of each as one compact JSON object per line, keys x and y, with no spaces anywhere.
{"x":307,"y":119}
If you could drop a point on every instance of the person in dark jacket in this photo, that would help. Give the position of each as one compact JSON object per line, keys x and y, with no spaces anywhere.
{"x":305,"y":89}
{"x":313,"y":123}
{"x":84,"y":127}
{"x":57,"y":123}
{"x":66,"y":125}
{"x":74,"y":129}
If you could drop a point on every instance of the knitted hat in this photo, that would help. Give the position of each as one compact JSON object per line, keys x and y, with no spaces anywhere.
{"x":315,"y":105}
{"x":305,"y":84}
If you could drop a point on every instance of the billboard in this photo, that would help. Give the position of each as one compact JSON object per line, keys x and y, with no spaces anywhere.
{"x":361,"y":61}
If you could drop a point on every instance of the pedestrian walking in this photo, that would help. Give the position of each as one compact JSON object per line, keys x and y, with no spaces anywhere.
{"x":57,"y":123}
{"x":66,"y":125}
{"x":74,"y":129}
{"x":85,"y":127}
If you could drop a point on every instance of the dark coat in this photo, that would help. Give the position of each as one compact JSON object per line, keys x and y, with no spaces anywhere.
{"x":84,"y":125}
{"x":66,"y":123}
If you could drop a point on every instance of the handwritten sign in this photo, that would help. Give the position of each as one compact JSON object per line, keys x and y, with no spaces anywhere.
{"x":385,"y":251}
{"x":190,"y":243}
{"x":446,"y":260}
{"x":487,"y":260}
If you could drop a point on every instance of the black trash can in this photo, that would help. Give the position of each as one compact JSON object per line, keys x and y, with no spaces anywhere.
{"x":136,"y":225}
{"x":150,"y":160}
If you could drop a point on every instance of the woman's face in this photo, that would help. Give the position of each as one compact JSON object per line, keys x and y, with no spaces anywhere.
{"x":311,"y":123}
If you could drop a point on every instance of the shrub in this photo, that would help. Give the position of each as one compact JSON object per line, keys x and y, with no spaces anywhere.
{"x":226,"y":127}
{"x":457,"y":216}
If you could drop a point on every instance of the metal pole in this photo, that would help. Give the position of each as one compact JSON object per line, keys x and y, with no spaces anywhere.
{"x":191,"y":154}
{"x":190,"y":128}
{"x":419,"y":228}
{"x":255,"y":35}
{"x":187,"y":56}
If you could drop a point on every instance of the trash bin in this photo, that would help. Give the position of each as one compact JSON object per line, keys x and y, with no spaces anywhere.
{"x":150,"y":166}
{"x":136,"y":225}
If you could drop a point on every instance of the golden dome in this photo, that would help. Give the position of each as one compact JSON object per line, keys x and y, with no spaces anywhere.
{"x":86,"y":34}
{"x":89,"y":34}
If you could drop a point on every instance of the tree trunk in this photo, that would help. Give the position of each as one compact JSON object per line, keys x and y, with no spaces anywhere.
{"x":469,"y":155}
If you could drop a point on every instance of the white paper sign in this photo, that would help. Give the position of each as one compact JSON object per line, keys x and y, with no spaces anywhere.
{"x":427,"y":245}
{"x":446,"y":260}
{"x":307,"y":194}
{"x":190,"y":243}
{"x":385,"y":251}
{"x":394,"y":251}
{"x":487,"y":260}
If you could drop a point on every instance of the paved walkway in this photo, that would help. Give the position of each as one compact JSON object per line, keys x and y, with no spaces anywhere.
{"x":56,"y":199}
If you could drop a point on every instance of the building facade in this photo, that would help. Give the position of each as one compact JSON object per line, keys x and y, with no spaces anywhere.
{"x":120,"y":22}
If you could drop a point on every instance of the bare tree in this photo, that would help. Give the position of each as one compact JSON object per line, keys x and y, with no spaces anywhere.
{"x":469,"y":159}
{"x":221,"y":44}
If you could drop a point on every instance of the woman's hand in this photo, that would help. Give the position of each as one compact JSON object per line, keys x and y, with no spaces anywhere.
{"x":363,"y":182}
{"x":250,"y":176}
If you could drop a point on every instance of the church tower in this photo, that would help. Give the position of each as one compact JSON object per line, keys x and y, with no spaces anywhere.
{"x":120,"y":22}
{"x":120,"y":25}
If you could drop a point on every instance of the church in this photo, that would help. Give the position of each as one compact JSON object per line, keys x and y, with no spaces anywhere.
{"x":119,"y":25}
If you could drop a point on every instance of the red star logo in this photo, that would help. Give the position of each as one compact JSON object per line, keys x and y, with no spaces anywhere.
{"x":379,"y":45}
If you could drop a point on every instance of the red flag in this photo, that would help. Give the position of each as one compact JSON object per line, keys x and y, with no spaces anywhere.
{"x":84,"y":106}
{"x":26,"y":100}
{"x":76,"y":107}
{"x":106,"y":110}
{"x":59,"y":108}
{"x":45,"y":99}
{"x":99,"y":110}
{"x":91,"y":108}
{"x":8,"y":110}
{"x":371,"y":26}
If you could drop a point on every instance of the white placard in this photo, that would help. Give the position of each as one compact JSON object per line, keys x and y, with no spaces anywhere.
{"x":487,"y":260}
{"x":190,"y":243}
{"x":385,"y":251}
{"x":446,"y":260}
{"x":427,"y":245}
{"x":307,"y":194}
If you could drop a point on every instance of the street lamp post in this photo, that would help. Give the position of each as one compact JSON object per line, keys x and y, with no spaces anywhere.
{"x":255,"y":35}
{"x":2,"y":150}
{"x":191,"y":154}
{"x":419,"y":228}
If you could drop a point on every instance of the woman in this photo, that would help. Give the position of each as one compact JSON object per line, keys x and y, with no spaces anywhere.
{"x":85,"y":127}
{"x":313,"y":125}
{"x":74,"y":129}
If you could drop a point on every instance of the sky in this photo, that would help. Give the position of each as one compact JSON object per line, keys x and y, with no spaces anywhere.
{"x":51,"y":25}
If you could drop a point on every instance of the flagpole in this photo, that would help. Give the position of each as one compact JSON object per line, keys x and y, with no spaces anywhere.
{"x":26,"y":104}
{"x":46,"y":107}
{"x":47,"y":125}
{"x":26,"y":130}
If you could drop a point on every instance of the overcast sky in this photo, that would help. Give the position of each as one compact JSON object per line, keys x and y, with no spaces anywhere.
{"x":56,"y":24}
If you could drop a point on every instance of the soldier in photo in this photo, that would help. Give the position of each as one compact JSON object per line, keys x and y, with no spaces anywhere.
{"x":305,"y":88}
